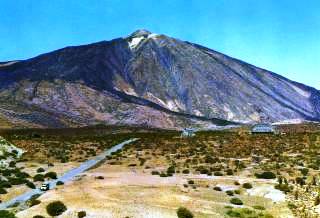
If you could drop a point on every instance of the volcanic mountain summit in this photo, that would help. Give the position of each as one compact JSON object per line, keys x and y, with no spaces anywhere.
{"x":147,"y":79}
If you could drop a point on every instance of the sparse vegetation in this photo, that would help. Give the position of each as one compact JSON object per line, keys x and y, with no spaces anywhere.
{"x":291,"y":159}
{"x":183,"y":212}
{"x":236,"y":201}
{"x":82,"y":214}
{"x":6,"y":214}
{"x":56,"y":208}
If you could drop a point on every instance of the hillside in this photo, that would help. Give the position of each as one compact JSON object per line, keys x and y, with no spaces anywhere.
{"x":147,"y":79}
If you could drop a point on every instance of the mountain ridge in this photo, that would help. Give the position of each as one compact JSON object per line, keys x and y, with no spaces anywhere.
{"x":148,"y":79}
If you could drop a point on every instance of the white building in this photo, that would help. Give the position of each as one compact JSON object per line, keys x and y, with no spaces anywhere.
{"x":263,"y":128}
{"x":188,"y":132}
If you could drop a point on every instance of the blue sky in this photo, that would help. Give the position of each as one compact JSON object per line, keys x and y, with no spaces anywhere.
{"x":279,"y":35}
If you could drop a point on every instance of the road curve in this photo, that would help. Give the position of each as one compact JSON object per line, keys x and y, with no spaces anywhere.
{"x":68,"y":176}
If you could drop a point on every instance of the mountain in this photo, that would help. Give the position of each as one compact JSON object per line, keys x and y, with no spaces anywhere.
{"x":147,"y":79}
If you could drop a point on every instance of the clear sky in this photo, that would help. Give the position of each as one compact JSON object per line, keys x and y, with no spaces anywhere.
{"x":279,"y":35}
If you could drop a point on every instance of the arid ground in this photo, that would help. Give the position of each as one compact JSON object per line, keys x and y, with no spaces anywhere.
{"x":214,"y":174}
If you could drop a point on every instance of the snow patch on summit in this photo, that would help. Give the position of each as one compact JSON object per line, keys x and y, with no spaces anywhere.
{"x":135,"y":42}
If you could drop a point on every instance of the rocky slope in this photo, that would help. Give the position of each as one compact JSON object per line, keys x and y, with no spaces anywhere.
{"x":147,"y":79}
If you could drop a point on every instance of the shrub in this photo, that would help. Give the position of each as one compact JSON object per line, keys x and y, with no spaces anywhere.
{"x":82,"y":214}
{"x":204,"y":171}
{"x":266,"y":175}
{"x":38,"y":178}
{"x":142,"y":161}
{"x":56,"y":208}
{"x":171,"y":170}
{"x":155,"y":172}
{"x":304,"y":171}
{"x":283,"y":187}
{"x":300,"y":181}
{"x":162,"y":174}
{"x":51,"y":175}
{"x":184,"y":213}
{"x":6,"y":214}
{"x":217,"y":188}
{"x":258,"y":207}
{"x":238,"y":192}
{"x":190,"y":182}
{"x":38,"y":216}
{"x":218,"y":173}
{"x":247,"y":185}
{"x":236,"y":201}
{"x":34,"y":202}
{"x":186,"y":171}
{"x":229,"y":172}
{"x":12,"y":164}
{"x":16,"y":181}
{"x":5,"y":184}
{"x":60,"y":183}
{"x":30,"y":185}
{"x":317,"y":200}
{"x":99,"y":177}
{"x":230,"y":193}
{"x":40,"y":170}
{"x":3,"y":191}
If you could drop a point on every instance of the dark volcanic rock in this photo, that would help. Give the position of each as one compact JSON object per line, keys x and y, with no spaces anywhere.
{"x":147,"y":79}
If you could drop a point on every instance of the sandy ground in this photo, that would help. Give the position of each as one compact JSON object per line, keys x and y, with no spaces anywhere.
{"x":31,"y":168}
{"x":59,"y":168}
{"x":126,"y":192}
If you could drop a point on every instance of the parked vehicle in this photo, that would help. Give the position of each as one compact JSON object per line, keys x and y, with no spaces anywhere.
{"x":45,"y":187}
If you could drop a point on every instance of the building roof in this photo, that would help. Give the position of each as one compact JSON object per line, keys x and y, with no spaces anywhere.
{"x":262,"y":127}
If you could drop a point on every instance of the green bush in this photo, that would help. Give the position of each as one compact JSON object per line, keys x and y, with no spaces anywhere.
{"x":3,"y":191}
{"x":218,"y":173}
{"x":40,"y":170}
{"x":304,"y":171}
{"x":238,"y":192}
{"x":38,"y":178}
{"x":31,"y":185}
{"x":230,"y":193}
{"x":154,"y":172}
{"x":51,"y":175}
{"x":6,"y":214}
{"x":162,"y":174}
{"x":171,"y":170}
{"x":247,"y":185}
{"x":266,"y":175}
{"x":34,"y":202}
{"x":190,"y":182}
{"x":186,"y":171}
{"x":283,"y":187}
{"x":56,"y":208}
{"x":60,"y":183}
{"x":38,"y":216}
{"x":217,"y":188}
{"x":82,"y":214}
{"x":183,"y":212}
{"x":258,"y":207}
{"x":229,"y":172}
{"x":16,"y":181}
{"x":236,"y":201}
{"x":5,"y":184}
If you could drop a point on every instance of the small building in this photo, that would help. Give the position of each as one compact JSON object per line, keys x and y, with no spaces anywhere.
{"x":263,"y":128}
{"x":188,"y":132}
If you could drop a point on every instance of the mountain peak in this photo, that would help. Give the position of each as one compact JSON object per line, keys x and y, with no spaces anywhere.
{"x":140,"y":33}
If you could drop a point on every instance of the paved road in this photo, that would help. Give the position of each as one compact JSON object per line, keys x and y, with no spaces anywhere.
{"x":68,"y":176}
